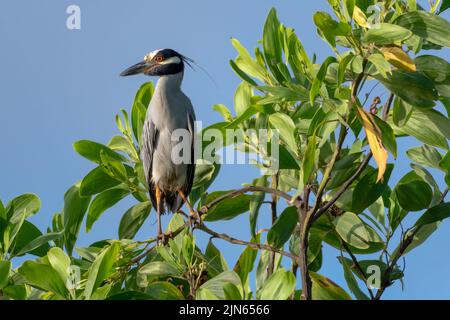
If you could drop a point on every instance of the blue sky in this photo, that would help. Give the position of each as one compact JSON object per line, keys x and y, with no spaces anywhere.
{"x":61,"y":85}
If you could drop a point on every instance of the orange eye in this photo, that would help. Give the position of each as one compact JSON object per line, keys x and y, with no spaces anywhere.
{"x":159,"y":58}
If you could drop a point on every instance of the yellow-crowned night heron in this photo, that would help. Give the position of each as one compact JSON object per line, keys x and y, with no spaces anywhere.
{"x":169,"y":109}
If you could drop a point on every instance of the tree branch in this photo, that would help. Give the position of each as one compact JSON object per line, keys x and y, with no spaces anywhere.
{"x":254,"y":245}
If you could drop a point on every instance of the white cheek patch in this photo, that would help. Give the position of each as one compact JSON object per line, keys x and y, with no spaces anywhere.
{"x":171,"y":60}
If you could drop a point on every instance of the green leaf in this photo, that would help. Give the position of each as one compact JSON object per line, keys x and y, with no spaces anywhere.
{"x":231,"y":292}
{"x":318,"y":80}
{"x":216,"y":262}
{"x":283,"y":94}
{"x":330,"y":28}
{"x":401,"y":112}
{"x":435,"y":133}
{"x":160,"y":290}
{"x":244,"y":65}
{"x":59,"y":261}
{"x":380,"y":63}
{"x":367,"y":190}
{"x":325,"y":289}
{"x":27,"y":233}
{"x":91,"y":151}
{"x":279,"y":286}
{"x":5,"y":268}
{"x":22,"y":207}
{"x":286,"y":127}
{"x":351,"y":280}
{"x":216,"y":284}
{"x":228,"y":208}
{"x":139,"y":109}
{"x":101,"y":268}
{"x":159,"y":269}
{"x":425,"y":156}
{"x":434,"y":214}
{"x":386,"y":33}
{"x":427,"y":26}
{"x":413,"y":87}
{"x":102,"y":202}
{"x":223,"y":110}
{"x":43,"y":277}
{"x":133,"y":219}
{"x":281,"y":230}
{"x":75,"y":207}
{"x":272,"y":43}
{"x":16,"y":292}
{"x":352,"y":230}
{"x":97,"y":181}
{"x":242,"y":98}
{"x":120,"y":143}
{"x":246,"y":261}
{"x":39,"y":242}
{"x":256,"y":202}
{"x":413,"y":193}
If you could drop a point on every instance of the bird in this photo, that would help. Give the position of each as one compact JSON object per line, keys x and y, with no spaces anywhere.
{"x":169,"y":183}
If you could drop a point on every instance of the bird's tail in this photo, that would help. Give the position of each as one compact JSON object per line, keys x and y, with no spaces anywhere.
{"x":169,"y":201}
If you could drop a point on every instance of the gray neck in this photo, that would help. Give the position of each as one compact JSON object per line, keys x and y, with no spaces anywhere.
{"x":170,"y":82}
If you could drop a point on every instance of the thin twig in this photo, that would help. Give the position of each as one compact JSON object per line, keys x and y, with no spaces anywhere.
{"x":254,"y":245}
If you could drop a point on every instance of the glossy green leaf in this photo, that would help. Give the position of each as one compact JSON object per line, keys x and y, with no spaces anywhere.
{"x":386,"y":33}
{"x":228,"y":208}
{"x":75,"y":207}
{"x":286,"y":127}
{"x":401,"y":112}
{"x":39,"y":242}
{"x":272,"y":43}
{"x":216,"y":262}
{"x":5,"y":268}
{"x":43,"y":276}
{"x":101,"y":268}
{"x":434,"y":214}
{"x":325,"y":289}
{"x":413,"y":193}
{"x":97,"y":181}
{"x":351,"y":280}
{"x":216,"y":284}
{"x":425,"y":155}
{"x":352,"y":230}
{"x":413,"y":87}
{"x":427,"y":26}
{"x":133,"y":219}
{"x":160,"y":290}
{"x":139,"y":109}
{"x":91,"y":151}
{"x":367,"y":190}
{"x":281,"y":230}
{"x":279,"y":286}
{"x":318,"y":80}
{"x":435,"y":133}
{"x":22,"y":207}
{"x":159,"y":269}
{"x":102,"y":202}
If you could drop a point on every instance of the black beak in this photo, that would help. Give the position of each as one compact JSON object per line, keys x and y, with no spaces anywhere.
{"x":136,"y":69}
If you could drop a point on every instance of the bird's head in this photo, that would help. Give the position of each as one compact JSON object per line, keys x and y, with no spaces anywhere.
{"x":159,"y":63}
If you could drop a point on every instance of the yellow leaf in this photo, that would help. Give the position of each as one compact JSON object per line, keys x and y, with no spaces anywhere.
{"x":398,"y":58}
{"x":360,"y":17}
{"x":373,"y":134}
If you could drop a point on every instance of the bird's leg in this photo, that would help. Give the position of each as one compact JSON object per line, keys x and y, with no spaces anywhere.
{"x":192,"y":213}
{"x":158,"y":213}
